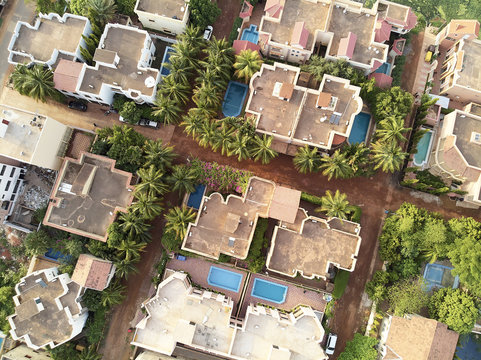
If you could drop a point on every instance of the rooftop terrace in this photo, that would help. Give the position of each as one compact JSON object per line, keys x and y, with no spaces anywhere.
{"x":311,"y":250}
{"x":87,"y":194}
{"x":464,"y":127}
{"x":314,"y":16}
{"x":129,"y":45}
{"x":168,"y":8}
{"x":470,"y":75}
{"x":228,"y":226}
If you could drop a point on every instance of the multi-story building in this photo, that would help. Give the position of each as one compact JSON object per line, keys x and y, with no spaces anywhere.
{"x":301,"y":116}
{"x":32,"y":138}
{"x":169,"y":16}
{"x":23,"y":352}
{"x":456,"y":152}
{"x":203,"y":321}
{"x":11,"y":181}
{"x":293,"y":30}
{"x":122,"y":59}
{"x":48,"y":310}
{"x":460,"y":71}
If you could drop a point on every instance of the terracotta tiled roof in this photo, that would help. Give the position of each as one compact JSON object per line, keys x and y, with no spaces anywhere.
{"x":382,"y":31}
{"x":284,"y":204}
{"x":323,"y":99}
{"x":300,"y":34}
{"x":419,"y":338}
{"x":91,"y":272}
{"x":240,"y":45}
{"x":382,"y":80}
{"x":347,"y":45}
{"x":286,"y":91}
{"x":66,"y":75}
{"x":464,"y":27}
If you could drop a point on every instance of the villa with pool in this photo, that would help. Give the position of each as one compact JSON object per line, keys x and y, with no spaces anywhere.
{"x":296,"y":115}
{"x":179,"y":315}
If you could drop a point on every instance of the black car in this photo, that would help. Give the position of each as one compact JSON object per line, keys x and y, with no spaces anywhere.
{"x":77,"y":105}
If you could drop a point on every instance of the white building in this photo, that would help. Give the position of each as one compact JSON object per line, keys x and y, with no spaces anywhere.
{"x":168,"y":16}
{"x":11,"y":181}
{"x":47,"y":309}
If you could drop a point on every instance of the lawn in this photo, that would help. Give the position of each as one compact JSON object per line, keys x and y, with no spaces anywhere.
{"x":340,"y":283}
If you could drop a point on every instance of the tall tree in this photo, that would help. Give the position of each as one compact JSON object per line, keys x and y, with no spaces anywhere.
{"x":360,"y":348}
{"x":336,"y":166}
{"x":307,"y":159}
{"x":129,"y":249}
{"x":102,"y":10}
{"x":391,"y":129}
{"x":261,"y":149}
{"x":223,"y":139}
{"x":335,"y":205}
{"x":35,"y":82}
{"x":158,"y":155}
{"x":407,"y":297}
{"x":174,"y":89}
{"x":247,"y":63}
{"x":167,"y":110}
{"x":240,"y":147}
{"x":152,"y":182}
{"x":388,"y":156}
{"x":203,"y":12}
{"x":134,"y":226}
{"x":178,"y":219}
{"x":124,"y":268}
{"x":182,"y":179}
{"x":113,"y":295}
{"x":146,"y":206}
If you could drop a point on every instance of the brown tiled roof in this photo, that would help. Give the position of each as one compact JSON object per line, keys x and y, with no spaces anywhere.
{"x":286,"y":91}
{"x":284,"y":204}
{"x":66,"y":75}
{"x":324,"y":99}
{"x":419,"y":338}
{"x":91,"y":272}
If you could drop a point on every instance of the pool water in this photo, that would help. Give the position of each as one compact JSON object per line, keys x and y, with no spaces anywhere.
{"x":251,"y":34}
{"x":359,"y":128}
{"x":437,"y":275}
{"x":57,"y":256}
{"x":234,"y":98}
{"x":224,"y":279}
{"x":195,"y":198}
{"x":385,"y":68}
{"x":269,"y":291}
{"x":164,"y":71}
{"x":420,"y":158}
{"x":469,"y":347}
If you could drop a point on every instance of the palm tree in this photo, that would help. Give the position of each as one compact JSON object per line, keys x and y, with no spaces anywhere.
{"x":167,"y":110}
{"x":307,"y":159}
{"x":223,"y":139}
{"x":336,"y":166}
{"x":182,"y":179}
{"x":158,"y":154}
{"x":388,"y":156}
{"x":177,"y":220}
{"x":124,"y":268}
{"x":247,"y":63}
{"x":102,"y":11}
{"x":261,"y":149}
{"x":193,"y":123}
{"x":173,"y":89}
{"x":184,"y":55}
{"x":113,"y":295}
{"x":207,"y":133}
{"x":152,"y":182}
{"x":392,"y":129}
{"x":210,"y":76}
{"x":179,"y":72}
{"x":219,"y":51}
{"x":134,"y":226}
{"x":146,"y":206}
{"x":206,"y":94}
{"x":240,"y":147}
{"x":357,"y":156}
{"x":129,"y":249}
{"x":335,"y":205}
{"x":191,"y":36}
{"x":89,"y":353}
{"x":36,"y":82}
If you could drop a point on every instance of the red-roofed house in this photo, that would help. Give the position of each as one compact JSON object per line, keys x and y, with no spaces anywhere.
{"x":347,"y":45}
{"x":274,"y":8}
{"x":92,"y":272}
{"x":382,"y":80}
{"x":401,"y":17}
{"x":240,"y":45}
{"x":397,"y":47}
{"x":382,"y":31}
{"x":299,"y":35}
{"x":66,"y":76}
{"x":246,"y":10}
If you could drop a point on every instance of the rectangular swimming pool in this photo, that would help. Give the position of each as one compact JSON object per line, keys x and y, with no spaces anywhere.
{"x":234,"y":98}
{"x":224,"y":279}
{"x":437,"y":275}
{"x":359,"y":128}
{"x":422,"y":149}
{"x":269,"y":291}
{"x":164,"y":71}
{"x":195,"y":198}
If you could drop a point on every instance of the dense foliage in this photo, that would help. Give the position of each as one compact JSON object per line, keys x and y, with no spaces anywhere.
{"x":256,"y":258}
{"x":360,"y":348}
{"x":203,"y":12}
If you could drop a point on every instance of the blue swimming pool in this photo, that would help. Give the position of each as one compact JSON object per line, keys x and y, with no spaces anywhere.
{"x":437,"y":275}
{"x":164,"y":71}
{"x":234,"y":98}
{"x":421,"y":156}
{"x":269,"y":291}
{"x":195,"y":198}
{"x":224,"y":279}
{"x":469,"y":347}
{"x":251,"y":34}
{"x":385,"y":68}
{"x":359,"y":128}
{"x":57,"y":256}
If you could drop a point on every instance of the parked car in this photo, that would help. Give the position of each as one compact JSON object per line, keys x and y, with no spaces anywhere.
{"x":77,"y":105}
{"x":331,"y":344}
{"x":208,"y":32}
{"x":142,"y":122}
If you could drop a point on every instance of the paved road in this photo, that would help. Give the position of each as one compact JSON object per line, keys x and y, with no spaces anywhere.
{"x":16,"y":10}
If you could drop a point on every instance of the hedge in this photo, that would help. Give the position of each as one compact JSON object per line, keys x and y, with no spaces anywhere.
{"x":234,"y":33}
{"x":313,"y":199}
{"x":356,"y":214}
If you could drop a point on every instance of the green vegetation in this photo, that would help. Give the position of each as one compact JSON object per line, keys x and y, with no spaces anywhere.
{"x":398,"y":70}
{"x":203,"y":12}
{"x":247,"y":63}
{"x":340,"y":283}
{"x":256,"y":259}
{"x":50,"y":6}
{"x":178,"y":218}
{"x":311,"y":198}
{"x":234,"y":33}
{"x":35,"y":82}
{"x":360,"y":348}
{"x":126,"y":6}
{"x":407,"y":297}
{"x":335,"y":205}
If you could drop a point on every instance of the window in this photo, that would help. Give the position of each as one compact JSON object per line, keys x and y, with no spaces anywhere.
{"x":3,"y":169}
{"x":12,"y":172}
{"x":8,"y":185}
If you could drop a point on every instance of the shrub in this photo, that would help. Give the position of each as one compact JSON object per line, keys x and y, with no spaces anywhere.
{"x":356,"y":214}
{"x":376,"y":289}
{"x":203,"y":12}
{"x":255,"y":258}
{"x":130,"y":112}
{"x":95,"y":326}
{"x":170,"y":241}
{"x":316,"y":200}
{"x":234,"y":33}
{"x":126,"y":7}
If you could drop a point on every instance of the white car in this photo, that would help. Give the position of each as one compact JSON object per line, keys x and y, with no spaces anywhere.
{"x":208,"y":32}
{"x":331,"y":344}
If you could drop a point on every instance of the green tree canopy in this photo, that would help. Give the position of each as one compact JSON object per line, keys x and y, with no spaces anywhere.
{"x":407,"y":297}
{"x":360,"y":348}
{"x":455,"y":308}
{"x":335,"y":205}
{"x":203,"y":12}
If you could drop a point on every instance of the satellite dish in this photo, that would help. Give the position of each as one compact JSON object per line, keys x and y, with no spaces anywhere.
{"x":150,"y":82}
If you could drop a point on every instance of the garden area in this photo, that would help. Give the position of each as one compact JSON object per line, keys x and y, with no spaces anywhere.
{"x":413,"y":236}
